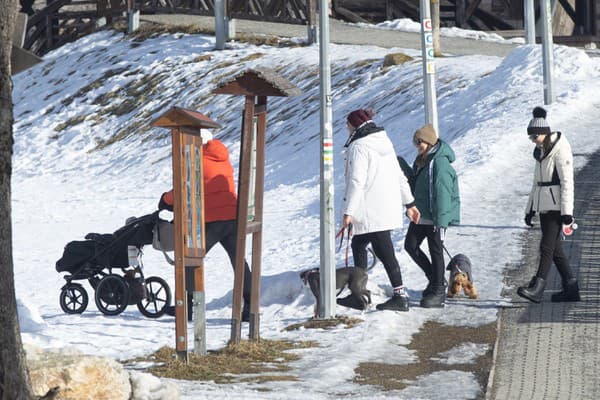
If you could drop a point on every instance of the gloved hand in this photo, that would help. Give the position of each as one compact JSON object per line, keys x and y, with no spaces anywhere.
{"x":566,"y":219}
{"x":162,"y":205}
{"x":528,"y":218}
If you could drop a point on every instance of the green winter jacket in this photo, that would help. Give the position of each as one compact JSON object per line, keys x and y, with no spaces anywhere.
{"x":435,"y":188}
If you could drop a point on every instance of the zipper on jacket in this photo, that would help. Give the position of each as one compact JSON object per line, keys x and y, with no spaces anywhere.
{"x":539,"y":191}
{"x":431,"y":190}
{"x":552,"y":194}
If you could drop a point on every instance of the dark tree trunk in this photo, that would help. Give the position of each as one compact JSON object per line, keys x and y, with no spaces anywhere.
{"x":14,"y":377}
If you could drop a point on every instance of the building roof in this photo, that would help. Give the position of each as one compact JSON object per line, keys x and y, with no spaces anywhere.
{"x":182,"y":117}
{"x":258,"y":82}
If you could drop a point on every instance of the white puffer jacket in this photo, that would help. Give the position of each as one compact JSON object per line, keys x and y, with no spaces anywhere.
{"x":376,"y":189}
{"x":553,"y":182}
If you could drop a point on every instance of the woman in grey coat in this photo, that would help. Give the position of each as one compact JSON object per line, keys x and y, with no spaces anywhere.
{"x":552,"y":197}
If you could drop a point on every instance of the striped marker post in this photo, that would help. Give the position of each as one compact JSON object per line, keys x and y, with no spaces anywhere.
{"x":327,"y":228}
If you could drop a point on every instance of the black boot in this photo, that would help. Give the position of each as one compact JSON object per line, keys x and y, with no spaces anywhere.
{"x":190,"y":306}
{"x":532,"y":282}
{"x":427,"y":290}
{"x":351,"y":301}
{"x":533,"y":292}
{"x":170,"y":310}
{"x":246,"y":312}
{"x":570,"y":292}
{"x":398,"y":302}
{"x":436,"y":297}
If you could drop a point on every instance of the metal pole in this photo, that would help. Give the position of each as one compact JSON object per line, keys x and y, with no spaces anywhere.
{"x":547,"y":51}
{"x":199,"y":307}
{"x":428,"y":65}
{"x":529,"y":22}
{"x":220,"y":26}
{"x":327,"y":265}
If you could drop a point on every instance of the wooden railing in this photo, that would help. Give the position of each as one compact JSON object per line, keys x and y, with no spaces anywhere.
{"x":63,"y":21}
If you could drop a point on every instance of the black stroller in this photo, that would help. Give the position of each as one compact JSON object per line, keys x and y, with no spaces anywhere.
{"x":95,"y":258}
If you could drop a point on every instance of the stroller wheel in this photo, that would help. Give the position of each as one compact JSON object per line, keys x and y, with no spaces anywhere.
{"x":112,"y":295}
{"x":73,"y":298}
{"x":158,"y":297}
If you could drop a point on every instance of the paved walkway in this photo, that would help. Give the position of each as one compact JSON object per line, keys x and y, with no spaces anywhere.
{"x":343,"y":33}
{"x":552,"y":350}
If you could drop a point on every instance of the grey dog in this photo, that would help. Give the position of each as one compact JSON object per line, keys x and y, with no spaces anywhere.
{"x":352,"y":278}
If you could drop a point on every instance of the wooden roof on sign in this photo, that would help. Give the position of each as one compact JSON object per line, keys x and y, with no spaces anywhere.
{"x":258,"y":82}
{"x":182,"y":117}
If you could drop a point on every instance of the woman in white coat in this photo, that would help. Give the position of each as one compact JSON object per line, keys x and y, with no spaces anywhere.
{"x":552,"y":197}
{"x":375,"y":187}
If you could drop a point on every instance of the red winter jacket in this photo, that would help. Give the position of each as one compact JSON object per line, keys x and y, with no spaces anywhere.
{"x":220,"y":199}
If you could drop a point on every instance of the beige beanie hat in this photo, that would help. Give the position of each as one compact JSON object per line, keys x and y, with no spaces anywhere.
{"x":427,"y":134}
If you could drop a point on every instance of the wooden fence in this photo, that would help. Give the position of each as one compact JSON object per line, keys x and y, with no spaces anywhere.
{"x":62,"y":21}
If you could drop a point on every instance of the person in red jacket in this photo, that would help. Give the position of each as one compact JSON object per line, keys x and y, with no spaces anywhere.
{"x":220,"y":213}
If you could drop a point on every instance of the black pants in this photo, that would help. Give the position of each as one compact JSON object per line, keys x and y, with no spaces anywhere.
{"x":551,"y":247}
{"x":383,"y":249}
{"x":434,"y":268}
{"x":224,"y":232}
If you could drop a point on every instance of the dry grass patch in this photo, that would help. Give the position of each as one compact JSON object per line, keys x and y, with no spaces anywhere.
{"x":202,"y":57}
{"x":247,"y":361}
{"x":433,"y":339}
{"x":149,"y":30}
{"x":396,"y":59}
{"x":70,"y":123}
{"x":260,"y":40}
{"x":330,"y":323}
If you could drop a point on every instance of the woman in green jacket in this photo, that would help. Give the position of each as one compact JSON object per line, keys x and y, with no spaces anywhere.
{"x":435,"y":187}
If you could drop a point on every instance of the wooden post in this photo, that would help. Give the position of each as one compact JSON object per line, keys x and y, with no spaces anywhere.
{"x":242,"y":217}
{"x":261,"y":112}
{"x":188,"y":209}
{"x":459,"y":15}
{"x":20,"y":30}
{"x":179,"y":229}
{"x":594,"y":19}
{"x":261,"y":83}
{"x":49,"y":33}
{"x":388,"y":10}
{"x":198,"y":246}
{"x":311,"y":21}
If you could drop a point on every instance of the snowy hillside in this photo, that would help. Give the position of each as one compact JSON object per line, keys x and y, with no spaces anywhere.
{"x":85,"y":159}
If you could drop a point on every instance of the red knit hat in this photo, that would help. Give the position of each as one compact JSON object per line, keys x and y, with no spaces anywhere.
{"x":358,"y":117}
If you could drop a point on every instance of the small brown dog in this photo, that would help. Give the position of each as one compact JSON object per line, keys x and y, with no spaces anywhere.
{"x":461,"y":281}
{"x":460,"y":277}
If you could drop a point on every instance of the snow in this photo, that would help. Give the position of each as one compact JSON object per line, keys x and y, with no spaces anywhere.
{"x":408,"y":25}
{"x":63,"y":188}
{"x":465,"y":353}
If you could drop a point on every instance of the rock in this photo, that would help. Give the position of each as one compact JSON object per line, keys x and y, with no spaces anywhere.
{"x":149,"y":387}
{"x":77,"y":376}
{"x":396,"y":59}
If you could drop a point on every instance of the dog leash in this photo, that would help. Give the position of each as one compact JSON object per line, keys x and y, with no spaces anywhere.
{"x":340,"y":234}
{"x":446,"y":250}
